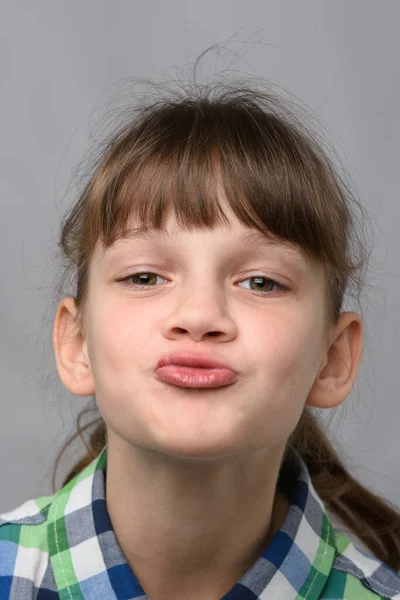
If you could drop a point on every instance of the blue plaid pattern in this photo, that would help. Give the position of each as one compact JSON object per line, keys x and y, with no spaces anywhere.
{"x":63,"y":546}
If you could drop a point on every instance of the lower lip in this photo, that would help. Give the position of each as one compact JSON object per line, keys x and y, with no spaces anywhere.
{"x":194,"y":377}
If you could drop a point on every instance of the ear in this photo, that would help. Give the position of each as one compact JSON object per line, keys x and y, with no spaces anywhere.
{"x":70,"y":350}
{"x":337,"y":374}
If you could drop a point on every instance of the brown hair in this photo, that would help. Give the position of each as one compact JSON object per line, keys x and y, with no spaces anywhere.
{"x":278,"y":178}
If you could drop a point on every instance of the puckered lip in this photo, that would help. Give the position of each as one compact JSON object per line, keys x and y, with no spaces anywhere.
{"x":193,"y":359}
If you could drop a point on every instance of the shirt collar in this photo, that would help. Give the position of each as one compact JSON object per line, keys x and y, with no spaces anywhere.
{"x":88,"y":562}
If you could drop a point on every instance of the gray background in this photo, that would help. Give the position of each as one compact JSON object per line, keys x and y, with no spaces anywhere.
{"x":57,"y":63}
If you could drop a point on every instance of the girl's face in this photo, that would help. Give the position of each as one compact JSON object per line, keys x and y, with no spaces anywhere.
{"x":207,"y":294}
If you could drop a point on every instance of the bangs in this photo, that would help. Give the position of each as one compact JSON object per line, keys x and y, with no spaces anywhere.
{"x":183,"y":158}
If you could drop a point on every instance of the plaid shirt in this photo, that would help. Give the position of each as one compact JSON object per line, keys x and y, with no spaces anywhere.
{"x":63,"y":546}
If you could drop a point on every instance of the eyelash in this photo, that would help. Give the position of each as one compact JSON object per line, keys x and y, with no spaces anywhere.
{"x":124,"y":280}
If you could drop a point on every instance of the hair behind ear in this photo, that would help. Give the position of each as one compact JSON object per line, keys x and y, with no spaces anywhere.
{"x":369,"y":517}
{"x":97,"y":441}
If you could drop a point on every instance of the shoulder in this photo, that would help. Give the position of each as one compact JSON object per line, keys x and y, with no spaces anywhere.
{"x":357,"y":575}
{"x":35,"y":533}
{"x":24,"y":552}
{"x":31,"y":512}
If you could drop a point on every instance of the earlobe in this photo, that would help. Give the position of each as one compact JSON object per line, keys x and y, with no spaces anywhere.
{"x":70,"y":350}
{"x":336,"y":377}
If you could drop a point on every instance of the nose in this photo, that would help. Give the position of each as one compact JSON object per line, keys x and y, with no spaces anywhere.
{"x":201,"y":314}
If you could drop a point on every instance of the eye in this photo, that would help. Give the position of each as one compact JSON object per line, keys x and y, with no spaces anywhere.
{"x":142,"y":276}
{"x":260,"y":282}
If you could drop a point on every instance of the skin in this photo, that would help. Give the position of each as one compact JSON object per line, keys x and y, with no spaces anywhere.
{"x":191,"y":475}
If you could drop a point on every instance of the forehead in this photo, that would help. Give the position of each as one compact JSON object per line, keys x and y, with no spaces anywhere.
{"x":230,"y":243}
{"x":234,"y":233}
{"x":231,"y":238}
{"x":217,"y":244}
{"x":251,"y":238}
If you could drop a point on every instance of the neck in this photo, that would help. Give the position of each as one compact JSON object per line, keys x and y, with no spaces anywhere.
{"x":192,"y":522}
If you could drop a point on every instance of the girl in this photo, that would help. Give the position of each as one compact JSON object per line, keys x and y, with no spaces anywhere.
{"x":212,"y":254}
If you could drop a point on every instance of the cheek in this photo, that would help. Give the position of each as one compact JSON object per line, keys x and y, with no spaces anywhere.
{"x":280,"y":338}
{"x":286,"y":354}
{"x":118,"y":337}
{"x":285,"y":357}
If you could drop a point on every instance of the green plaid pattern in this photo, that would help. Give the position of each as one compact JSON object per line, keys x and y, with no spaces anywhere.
{"x":63,"y":546}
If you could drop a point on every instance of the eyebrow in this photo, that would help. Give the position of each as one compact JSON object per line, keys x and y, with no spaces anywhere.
{"x":254,"y":239}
